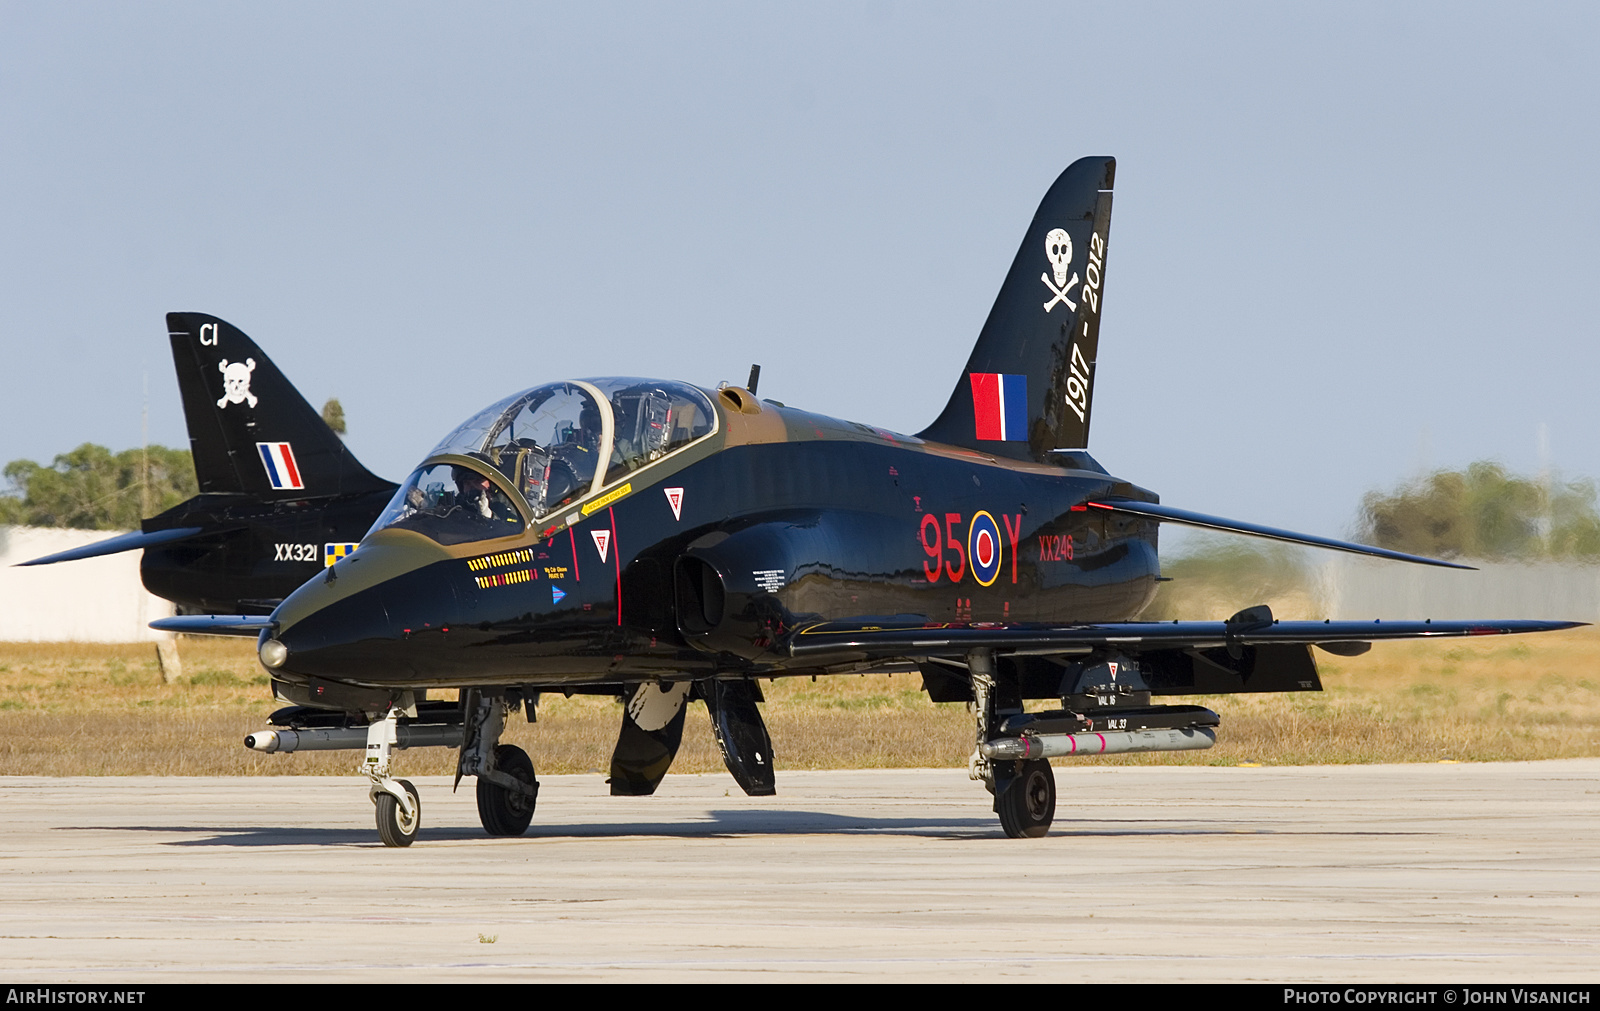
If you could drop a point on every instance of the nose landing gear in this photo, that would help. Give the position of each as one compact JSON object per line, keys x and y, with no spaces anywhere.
{"x":399,"y":817}
{"x":399,"y":809}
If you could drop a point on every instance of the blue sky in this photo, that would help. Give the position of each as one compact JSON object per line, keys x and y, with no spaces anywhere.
{"x":1350,"y":241}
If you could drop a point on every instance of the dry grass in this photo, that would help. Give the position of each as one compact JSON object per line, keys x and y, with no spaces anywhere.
{"x":76,"y":709}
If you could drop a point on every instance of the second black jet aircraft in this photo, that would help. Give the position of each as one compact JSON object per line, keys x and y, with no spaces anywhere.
{"x":280,"y":495}
{"x":658,"y":541}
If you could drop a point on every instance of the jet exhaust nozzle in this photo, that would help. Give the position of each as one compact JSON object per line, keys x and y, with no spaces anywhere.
{"x":1111,"y":742}
{"x":284,"y":742}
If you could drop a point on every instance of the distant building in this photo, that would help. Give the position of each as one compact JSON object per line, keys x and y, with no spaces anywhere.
{"x":93,"y":600}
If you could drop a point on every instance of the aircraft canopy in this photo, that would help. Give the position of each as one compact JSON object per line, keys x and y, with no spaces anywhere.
{"x":555,"y":444}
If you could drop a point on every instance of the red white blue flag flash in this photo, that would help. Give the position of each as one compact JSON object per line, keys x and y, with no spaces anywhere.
{"x":278,"y":458}
{"x":1000,"y":406}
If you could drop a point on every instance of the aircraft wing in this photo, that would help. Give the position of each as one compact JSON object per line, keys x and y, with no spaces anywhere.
{"x":895,"y":639}
{"x":1168,"y":514}
{"x":122,"y":542}
{"x":215,"y":624}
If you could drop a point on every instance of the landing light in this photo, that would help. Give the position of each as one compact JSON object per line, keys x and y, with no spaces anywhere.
{"x":273,"y":653}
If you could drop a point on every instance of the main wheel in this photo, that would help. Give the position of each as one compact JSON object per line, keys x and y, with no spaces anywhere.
{"x":394,"y":828}
{"x":502,"y":811}
{"x":1027,"y":803}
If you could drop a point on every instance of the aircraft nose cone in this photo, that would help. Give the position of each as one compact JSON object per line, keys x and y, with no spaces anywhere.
{"x":322,"y":624}
{"x":362,"y":617}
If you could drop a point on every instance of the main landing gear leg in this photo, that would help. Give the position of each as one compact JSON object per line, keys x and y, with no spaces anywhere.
{"x":508,"y":790}
{"x":980,"y":663}
{"x":1024,"y":791}
{"x":399,"y":809}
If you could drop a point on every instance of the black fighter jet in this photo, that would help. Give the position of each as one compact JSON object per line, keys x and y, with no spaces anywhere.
{"x":660,"y":542}
{"x":280,"y":495}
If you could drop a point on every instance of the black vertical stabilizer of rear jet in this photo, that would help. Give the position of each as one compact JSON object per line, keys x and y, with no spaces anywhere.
{"x":250,"y":430}
{"x":1029,"y":386}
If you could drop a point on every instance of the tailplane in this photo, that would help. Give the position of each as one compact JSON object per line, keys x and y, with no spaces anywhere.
{"x":250,"y":430}
{"x":1028,"y":387}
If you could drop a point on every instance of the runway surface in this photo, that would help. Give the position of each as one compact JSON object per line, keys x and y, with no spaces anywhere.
{"x":1422,"y":873}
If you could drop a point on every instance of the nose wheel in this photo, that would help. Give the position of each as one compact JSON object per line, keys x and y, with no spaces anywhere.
{"x":399,"y":818}
{"x":399,"y":809}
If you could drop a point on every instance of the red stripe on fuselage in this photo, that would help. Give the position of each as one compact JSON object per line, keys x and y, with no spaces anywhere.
{"x":616,"y":557}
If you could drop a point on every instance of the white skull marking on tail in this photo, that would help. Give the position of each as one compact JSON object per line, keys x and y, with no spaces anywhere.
{"x":1058,"y":246}
{"x":236,"y":382}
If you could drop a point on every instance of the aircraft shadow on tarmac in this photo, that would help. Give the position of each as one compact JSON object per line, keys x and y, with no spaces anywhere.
{"x":719,"y":824}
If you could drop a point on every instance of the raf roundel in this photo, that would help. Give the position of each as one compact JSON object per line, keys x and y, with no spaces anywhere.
{"x":983,"y":547}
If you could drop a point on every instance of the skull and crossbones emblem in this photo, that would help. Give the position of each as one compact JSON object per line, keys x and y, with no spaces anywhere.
{"x":1058,"y":247}
{"x":236,"y":382}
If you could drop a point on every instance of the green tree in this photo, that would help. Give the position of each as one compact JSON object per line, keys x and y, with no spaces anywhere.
{"x":93,"y":488}
{"x":1485,"y":512}
{"x":333,"y":414}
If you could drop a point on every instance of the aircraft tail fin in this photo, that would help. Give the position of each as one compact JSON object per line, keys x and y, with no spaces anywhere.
{"x":250,"y":430}
{"x":1028,"y":387}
